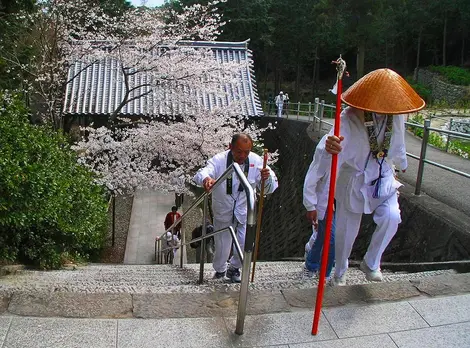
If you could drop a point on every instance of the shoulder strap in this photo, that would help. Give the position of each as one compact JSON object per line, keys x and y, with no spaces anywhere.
{"x":229,"y":179}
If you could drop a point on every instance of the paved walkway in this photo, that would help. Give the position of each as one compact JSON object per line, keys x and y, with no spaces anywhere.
{"x":427,"y":322}
{"x":148,"y":214}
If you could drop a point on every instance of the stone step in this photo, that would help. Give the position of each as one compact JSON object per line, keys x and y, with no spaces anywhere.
{"x":159,"y":279}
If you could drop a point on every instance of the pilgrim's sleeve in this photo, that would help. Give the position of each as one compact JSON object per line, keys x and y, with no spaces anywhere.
{"x":397,"y":146}
{"x":316,"y":171}
{"x":209,"y":170}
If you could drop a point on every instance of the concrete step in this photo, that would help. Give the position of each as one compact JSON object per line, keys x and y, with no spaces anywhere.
{"x":160,"y":279}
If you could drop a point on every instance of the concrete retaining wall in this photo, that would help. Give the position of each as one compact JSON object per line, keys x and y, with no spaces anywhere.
{"x":430,"y":230}
{"x":453,"y":95}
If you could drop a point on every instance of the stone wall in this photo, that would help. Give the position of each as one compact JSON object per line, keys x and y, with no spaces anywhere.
{"x":284,"y":228}
{"x":453,"y":95}
{"x":430,"y":230}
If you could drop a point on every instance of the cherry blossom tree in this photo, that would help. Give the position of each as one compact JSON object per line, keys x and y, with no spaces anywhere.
{"x":156,"y":64}
{"x":150,"y":54}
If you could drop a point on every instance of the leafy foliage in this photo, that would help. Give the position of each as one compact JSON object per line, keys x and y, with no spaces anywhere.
{"x":49,"y":204}
{"x":423,"y":91}
{"x":453,"y":74}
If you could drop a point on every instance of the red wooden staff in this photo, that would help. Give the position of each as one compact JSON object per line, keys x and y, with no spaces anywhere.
{"x":340,"y":67}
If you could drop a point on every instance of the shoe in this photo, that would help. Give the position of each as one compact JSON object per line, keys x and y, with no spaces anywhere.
{"x":338,"y":281}
{"x":233,"y":275}
{"x":219,"y":275}
{"x":307,"y":274}
{"x":372,"y":276}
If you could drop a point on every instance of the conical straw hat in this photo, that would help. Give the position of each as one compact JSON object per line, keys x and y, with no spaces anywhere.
{"x":383,"y":91}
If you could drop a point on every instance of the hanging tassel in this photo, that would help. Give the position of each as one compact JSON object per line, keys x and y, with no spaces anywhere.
{"x":377,"y":182}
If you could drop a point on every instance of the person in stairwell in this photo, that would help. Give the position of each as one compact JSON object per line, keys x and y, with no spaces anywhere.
{"x":372,"y":139}
{"x":229,"y":202}
{"x":315,"y":199}
{"x":279,"y":101}
{"x":171,"y":218}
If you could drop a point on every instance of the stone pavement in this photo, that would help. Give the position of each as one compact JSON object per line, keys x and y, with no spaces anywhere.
{"x":423,"y":322}
{"x":148,"y":214}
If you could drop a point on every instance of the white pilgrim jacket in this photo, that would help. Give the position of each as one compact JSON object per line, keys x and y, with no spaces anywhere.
{"x":317,"y":183}
{"x":357,"y":168}
{"x":225,"y":206}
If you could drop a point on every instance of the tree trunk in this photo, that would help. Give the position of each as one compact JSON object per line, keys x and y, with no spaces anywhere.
{"x":418,"y":53}
{"x":444,"y":42}
{"x":361,"y":54}
{"x":266,"y":81}
{"x":462,"y":52}
{"x":297,"y":77}
{"x":386,"y":53}
{"x":314,"y":75}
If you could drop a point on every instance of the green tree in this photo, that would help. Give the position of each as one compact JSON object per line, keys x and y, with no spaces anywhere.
{"x":49,"y":204}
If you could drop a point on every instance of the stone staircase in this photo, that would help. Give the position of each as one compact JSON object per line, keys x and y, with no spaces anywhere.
{"x":165,"y":279}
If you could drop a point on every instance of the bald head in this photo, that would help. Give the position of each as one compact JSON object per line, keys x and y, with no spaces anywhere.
{"x":241,"y":146}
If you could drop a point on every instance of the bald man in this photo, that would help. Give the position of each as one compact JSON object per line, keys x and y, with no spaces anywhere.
{"x":229,"y":200}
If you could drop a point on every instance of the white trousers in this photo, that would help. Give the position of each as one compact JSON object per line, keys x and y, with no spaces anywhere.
{"x":223,"y":243}
{"x":386,"y":216}
{"x":279,"y":110}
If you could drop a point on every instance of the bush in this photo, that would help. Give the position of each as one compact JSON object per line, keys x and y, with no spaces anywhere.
{"x":49,"y":204}
{"x":423,"y":91}
{"x":453,"y":74}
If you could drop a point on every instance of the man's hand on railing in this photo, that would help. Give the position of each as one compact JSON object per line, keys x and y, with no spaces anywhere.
{"x":208,"y":183}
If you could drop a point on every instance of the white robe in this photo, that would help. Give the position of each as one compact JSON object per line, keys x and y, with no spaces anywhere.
{"x":317,"y":183}
{"x":231,"y":209}
{"x":356,"y":167}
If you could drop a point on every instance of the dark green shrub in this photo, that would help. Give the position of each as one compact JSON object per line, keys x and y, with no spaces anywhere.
{"x":49,"y":204}
{"x":423,"y":91}
{"x":453,"y":74}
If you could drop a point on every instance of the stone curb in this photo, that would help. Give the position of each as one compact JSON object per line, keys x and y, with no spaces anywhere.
{"x":220,"y":304}
{"x":11,"y":269}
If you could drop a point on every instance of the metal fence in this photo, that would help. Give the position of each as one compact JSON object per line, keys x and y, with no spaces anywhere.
{"x":319,"y":110}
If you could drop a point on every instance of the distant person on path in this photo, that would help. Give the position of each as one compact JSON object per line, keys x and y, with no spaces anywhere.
{"x":286,"y":104}
{"x":372,"y":140}
{"x":209,"y":243}
{"x":229,"y":199}
{"x":279,"y":103}
{"x":315,"y":197}
{"x":170,"y":219}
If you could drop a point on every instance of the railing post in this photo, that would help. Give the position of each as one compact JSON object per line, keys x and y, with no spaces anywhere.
{"x":249,"y":244}
{"x":448,"y":135}
{"x":298,"y":109}
{"x":320,"y":114}
{"x":315,"y":109}
{"x":422,"y":157}
{"x":157,"y":251}
{"x":113,"y":236}
{"x":182,"y":246}
{"x":309,"y":110}
{"x":203,"y":242}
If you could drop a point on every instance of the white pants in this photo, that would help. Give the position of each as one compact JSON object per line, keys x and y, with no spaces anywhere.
{"x":223,"y":243}
{"x":387,"y":218}
{"x":279,"y":110}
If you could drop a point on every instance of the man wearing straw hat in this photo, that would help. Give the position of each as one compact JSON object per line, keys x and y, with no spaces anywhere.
{"x":372,"y":140}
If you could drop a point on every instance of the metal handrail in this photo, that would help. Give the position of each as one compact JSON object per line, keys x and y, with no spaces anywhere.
{"x":249,"y":237}
{"x":422,"y":157}
{"x":232,"y":233}
{"x":318,"y":115}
